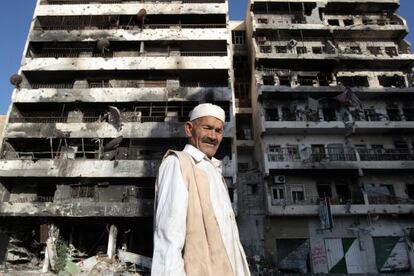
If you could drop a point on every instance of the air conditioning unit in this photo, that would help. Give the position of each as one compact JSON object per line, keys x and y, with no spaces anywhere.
{"x":279,"y":179}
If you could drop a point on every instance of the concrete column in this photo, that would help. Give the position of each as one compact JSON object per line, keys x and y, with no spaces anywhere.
{"x":46,"y":262}
{"x":113,"y":231}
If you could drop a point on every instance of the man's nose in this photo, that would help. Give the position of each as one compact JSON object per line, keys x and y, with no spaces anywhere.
{"x":212,"y":135}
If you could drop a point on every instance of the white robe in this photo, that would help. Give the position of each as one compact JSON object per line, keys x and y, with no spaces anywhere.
{"x":171,"y":214}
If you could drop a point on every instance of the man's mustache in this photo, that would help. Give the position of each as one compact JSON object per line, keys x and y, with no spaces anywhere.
{"x":210,"y":141}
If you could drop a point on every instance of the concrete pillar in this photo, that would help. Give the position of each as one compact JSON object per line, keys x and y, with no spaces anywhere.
{"x":46,"y":262}
{"x":51,"y":246}
{"x":113,"y":231}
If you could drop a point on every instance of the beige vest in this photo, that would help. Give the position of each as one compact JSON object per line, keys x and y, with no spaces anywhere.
{"x":204,"y":250}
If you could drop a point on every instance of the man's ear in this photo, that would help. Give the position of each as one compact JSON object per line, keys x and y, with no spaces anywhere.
{"x":188,"y":129}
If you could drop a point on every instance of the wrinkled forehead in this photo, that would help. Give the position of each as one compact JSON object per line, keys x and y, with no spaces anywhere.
{"x":209,"y":121}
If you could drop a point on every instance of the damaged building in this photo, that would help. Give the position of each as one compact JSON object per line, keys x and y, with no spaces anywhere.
{"x":103,"y":90}
{"x":331,"y":120}
{"x":318,"y":152}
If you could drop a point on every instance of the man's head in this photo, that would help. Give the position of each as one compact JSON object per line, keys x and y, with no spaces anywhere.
{"x":206,"y":128}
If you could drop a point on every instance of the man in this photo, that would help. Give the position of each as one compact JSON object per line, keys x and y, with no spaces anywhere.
{"x":195,"y":229}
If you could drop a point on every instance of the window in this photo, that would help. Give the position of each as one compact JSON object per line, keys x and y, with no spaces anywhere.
{"x":287,"y":114}
{"x":278,"y":194}
{"x":333,"y":22}
{"x":343,"y":193}
{"x":410,"y":191}
{"x":265,"y":49}
{"x":355,"y":50}
{"x":348,"y":22}
{"x":324,"y":190}
{"x":391,"y":51}
{"x":275,"y":153}
{"x":83,"y":191}
{"x":371,"y":115}
{"x":317,"y":50}
{"x":293,"y":152}
{"x":272,"y":114}
{"x":392,"y":81}
{"x":262,"y":20}
{"x":408,"y":114}
{"x":354,"y":81}
{"x":281,"y":49}
{"x":336,"y":152}
{"x":268,"y":80}
{"x":329,"y":114}
{"x":318,"y":153}
{"x":374,"y":50}
{"x":297,"y":192}
{"x":394,"y":114}
{"x":301,"y":50}
{"x":239,"y":37}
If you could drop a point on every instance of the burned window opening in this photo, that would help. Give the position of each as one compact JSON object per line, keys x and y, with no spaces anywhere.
{"x":395,"y":81}
{"x":354,"y":81}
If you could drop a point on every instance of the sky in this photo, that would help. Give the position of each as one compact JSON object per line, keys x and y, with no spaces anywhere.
{"x":16,"y":16}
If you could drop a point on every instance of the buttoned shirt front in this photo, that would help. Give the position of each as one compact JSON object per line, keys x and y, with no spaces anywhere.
{"x":171,"y":214}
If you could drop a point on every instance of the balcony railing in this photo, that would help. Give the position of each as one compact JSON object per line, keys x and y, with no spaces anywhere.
{"x":316,"y":201}
{"x":69,"y":2}
{"x":309,"y":155}
{"x":127,"y":27}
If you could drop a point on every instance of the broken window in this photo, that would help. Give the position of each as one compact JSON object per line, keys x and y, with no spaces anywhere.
{"x":374,"y":50}
{"x":343,"y":193}
{"x":408,"y":114}
{"x":410,"y":190}
{"x":324,"y":190}
{"x":391,"y":51}
{"x":355,"y":50}
{"x":262,"y":20}
{"x":269,"y":80}
{"x":265,"y":49}
{"x":394,"y":114}
{"x":333,"y":22}
{"x":281,"y":49}
{"x":318,"y":153}
{"x":301,"y":50}
{"x":275,"y":153}
{"x":272,"y":114}
{"x":395,"y":81}
{"x":317,"y":50}
{"x":287,"y":114}
{"x":348,"y":22}
{"x":354,"y":81}
{"x":372,"y":115}
{"x":329,"y":114}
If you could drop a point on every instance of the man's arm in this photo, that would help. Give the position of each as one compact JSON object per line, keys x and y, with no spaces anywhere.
{"x":170,"y":220}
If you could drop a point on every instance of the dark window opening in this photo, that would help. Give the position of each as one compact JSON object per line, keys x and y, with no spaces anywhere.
{"x":263,"y":20}
{"x":265,"y":49}
{"x":391,"y":51}
{"x":318,"y":153}
{"x":333,"y":22}
{"x":329,"y":114}
{"x":307,"y":80}
{"x":272,"y":114}
{"x":408,"y":114}
{"x":281,"y":49}
{"x":372,"y":116}
{"x":394,"y":81}
{"x":268,"y":80}
{"x":238,"y":37}
{"x":288,"y":115}
{"x":410,"y":191}
{"x":343,"y":193}
{"x":46,"y":193}
{"x":361,"y":81}
{"x":317,"y":50}
{"x":283,"y":80}
{"x":374,"y":50}
{"x":348,"y":22}
{"x":324,"y":190}
{"x":355,"y":50}
{"x":298,"y":196}
{"x":394,"y":114}
{"x":301,"y":50}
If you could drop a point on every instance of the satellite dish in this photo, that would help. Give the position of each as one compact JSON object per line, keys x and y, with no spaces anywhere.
{"x":16,"y":80}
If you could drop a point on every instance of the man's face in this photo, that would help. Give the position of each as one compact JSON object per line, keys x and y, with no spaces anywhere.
{"x":205,"y":133}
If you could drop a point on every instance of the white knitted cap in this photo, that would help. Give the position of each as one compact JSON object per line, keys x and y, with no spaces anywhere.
{"x":207,"y":109}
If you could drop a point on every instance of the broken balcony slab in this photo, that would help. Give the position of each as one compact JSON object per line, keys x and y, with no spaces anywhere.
{"x":149,"y":94}
{"x":88,"y":168}
{"x":132,"y":9}
{"x":126,"y":63}
{"x":128,"y":35}
{"x":165,"y":129}
{"x":142,"y":208}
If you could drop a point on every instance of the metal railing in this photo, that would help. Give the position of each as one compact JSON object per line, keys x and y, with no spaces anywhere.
{"x":309,"y":155}
{"x":76,"y":53}
{"x":316,"y":200}
{"x":69,"y":2}
{"x":51,"y":27}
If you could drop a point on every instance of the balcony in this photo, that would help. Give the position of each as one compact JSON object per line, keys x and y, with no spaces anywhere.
{"x":310,"y":207}
{"x":142,"y":208}
{"x":86,"y":168}
{"x":291,"y":158}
